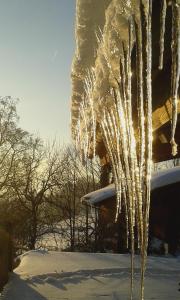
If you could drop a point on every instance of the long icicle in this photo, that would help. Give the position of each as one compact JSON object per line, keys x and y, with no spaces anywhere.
{"x":147,"y":9}
{"x":175,"y":69}
{"x":141,"y":119}
{"x":132,"y":168}
{"x":162,"y":32}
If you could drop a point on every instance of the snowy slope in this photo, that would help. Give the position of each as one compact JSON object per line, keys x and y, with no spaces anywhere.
{"x":76,"y":276}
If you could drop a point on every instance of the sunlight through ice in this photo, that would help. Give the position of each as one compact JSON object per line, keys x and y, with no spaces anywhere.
{"x":108,"y":107}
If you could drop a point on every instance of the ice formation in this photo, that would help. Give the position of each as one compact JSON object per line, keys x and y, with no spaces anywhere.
{"x":103,"y":100}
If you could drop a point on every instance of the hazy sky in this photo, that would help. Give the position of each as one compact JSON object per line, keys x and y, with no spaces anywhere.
{"x":36,"y":50}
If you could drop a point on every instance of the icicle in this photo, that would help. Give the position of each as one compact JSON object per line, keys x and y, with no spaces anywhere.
{"x":175,"y":69}
{"x":89,"y":85}
{"x":130,"y":148}
{"x":93,"y":129}
{"x":140,"y":99}
{"x":82,"y":140}
{"x":117,"y":126}
{"x":147,"y":9}
{"x":162,"y":32}
{"x":78,"y":141}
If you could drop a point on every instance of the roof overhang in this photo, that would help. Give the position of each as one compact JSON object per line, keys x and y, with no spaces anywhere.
{"x":159,"y":179}
{"x":90,"y":19}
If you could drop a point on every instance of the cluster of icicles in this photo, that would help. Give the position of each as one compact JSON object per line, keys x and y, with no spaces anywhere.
{"x":130,"y":148}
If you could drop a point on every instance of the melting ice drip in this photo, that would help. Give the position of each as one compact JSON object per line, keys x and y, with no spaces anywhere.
{"x":129,"y":146}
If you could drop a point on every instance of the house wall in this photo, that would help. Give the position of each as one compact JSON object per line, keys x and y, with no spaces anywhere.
{"x":164,"y":221}
{"x":165,"y":215}
{"x":112,"y":234}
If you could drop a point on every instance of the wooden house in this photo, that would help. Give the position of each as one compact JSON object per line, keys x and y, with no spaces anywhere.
{"x":164,"y":213}
{"x":92,"y":18}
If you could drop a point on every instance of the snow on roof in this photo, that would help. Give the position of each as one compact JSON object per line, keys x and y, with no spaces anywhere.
{"x":165,"y":177}
{"x":99,"y":195}
{"x":159,"y":179}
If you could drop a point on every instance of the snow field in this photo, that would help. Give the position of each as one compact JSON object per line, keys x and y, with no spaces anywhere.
{"x":46,"y":275}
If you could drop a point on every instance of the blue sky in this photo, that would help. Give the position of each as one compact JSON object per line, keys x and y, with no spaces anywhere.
{"x":36,"y":51}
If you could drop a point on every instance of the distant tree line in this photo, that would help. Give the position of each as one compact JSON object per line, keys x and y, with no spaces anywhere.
{"x":41,"y":187}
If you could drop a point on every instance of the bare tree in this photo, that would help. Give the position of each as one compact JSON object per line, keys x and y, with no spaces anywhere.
{"x":34,"y":177}
{"x":11,"y":140}
{"x":77,"y":180}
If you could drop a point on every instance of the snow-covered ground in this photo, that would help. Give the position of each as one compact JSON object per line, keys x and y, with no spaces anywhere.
{"x":75,"y":276}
